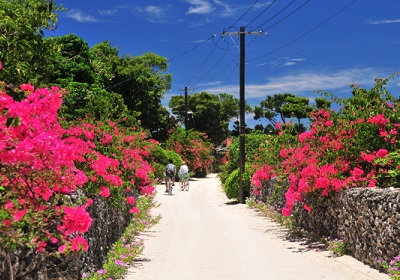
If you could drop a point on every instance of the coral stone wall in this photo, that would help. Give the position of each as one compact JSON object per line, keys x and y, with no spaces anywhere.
{"x":107,"y":227}
{"x":367,"y":220}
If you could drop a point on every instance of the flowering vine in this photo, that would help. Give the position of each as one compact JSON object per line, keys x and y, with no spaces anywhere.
{"x":43,"y":164}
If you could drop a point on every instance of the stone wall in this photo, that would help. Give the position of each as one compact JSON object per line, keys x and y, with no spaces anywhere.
{"x":367,"y":220}
{"x":107,"y":227}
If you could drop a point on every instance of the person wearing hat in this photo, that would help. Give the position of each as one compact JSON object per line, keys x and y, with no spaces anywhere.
{"x":183,"y":173}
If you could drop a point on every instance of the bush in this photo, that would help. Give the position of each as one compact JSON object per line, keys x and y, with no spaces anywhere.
{"x":193,"y":147}
{"x":231,"y":185}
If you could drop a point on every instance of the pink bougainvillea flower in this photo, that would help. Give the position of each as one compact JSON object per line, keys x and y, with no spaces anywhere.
{"x":368,"y":157}
{"x":19,"y":215}
{"x":134,"y":210}
{"x":104,"y":191}
{"x":130,"y":200}
{"x":8,"y":204}
{"x":53,"y":240}
{"x":62,"y":248}
{"x":308,"y":208}
{"x":256,"y":192}
{"x":27,"y":87}
{"x":329,"y":123}
{"x":40,"y":246}
{"x":146,"y":190}
{"x":357,"y":172}
{"x":1,"y":65}
{"x":382,"y":153}
{"x":75,"y":220}
{"x":89,"y":202}
{"x":7,"y":223}
{"x":79,"y":243}
{"x":286,"y":212}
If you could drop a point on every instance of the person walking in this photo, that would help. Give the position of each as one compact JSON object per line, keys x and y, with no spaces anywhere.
{"x":170,"y":172}
{"x":183,"y":173}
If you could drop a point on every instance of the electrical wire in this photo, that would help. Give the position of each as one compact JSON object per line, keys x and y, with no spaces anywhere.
{"x":266,"y":9}
{"x":194,"y":47}
{"x":212,"y":68}
{"x":307,"y":32}
{"x":297,"y":9}
{"x":251,"y":7}
{"x":201,"y":66}
{"x":325,"y":61}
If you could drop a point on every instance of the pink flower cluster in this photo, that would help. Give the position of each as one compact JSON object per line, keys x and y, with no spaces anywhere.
{"x":323,"y":160}
{"x":39,"y":161}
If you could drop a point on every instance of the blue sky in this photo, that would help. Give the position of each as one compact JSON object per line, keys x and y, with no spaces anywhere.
{"x":301,"y":45}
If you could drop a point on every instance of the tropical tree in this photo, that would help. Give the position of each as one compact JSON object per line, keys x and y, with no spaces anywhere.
{"x":142,"y":83}
{"x":83,"y":101}
{"x":71,"y":61}
{"x":104,"y":61}
{"x":209,"y":113}
{"x":280,"y":107}
{"x":23,"y":52}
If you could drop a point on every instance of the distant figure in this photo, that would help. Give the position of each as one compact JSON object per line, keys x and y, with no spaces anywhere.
{"x":170,"y":172}
{"x":183,"y":173}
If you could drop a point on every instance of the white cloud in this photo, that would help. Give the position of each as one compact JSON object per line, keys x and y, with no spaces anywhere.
{"x":304,"y":83}
{"x":200,"y":7}
{"x":111,"y":12}
{"x":227,"y":9}
{"x":284,"y":61}
{"x":385,"y":21}
{"x":79,"y":16}
{"x":158,"y":14}
{"x":155,"y":11}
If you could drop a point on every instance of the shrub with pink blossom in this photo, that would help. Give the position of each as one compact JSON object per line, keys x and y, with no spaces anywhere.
{"x":43,"y":164}
{"x":354,"y":147}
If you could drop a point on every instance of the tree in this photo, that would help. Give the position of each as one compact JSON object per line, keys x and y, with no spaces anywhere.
{"x":142,"y":82}
{"x":210,"y":113}
{"x":71,"y":61}
{"x":104,"y":60}
{"x":280,"y":107}
{"x":83,"y":101}
{"x":23,"y":53}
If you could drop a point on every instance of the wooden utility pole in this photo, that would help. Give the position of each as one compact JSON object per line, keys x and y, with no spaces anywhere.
{"x":242,"y":131}
{"x":186,"y":109}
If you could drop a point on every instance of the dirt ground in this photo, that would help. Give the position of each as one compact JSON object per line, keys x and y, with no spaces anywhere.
{"x":203,"y":235}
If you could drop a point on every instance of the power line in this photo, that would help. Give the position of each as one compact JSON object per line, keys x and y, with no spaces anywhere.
{"x":297,"y":9}
{"x":185,"y":52}
{"x":251,"y":7}
{"x":201,"y":66}
{"x":266,"y":9}
{"x":306,"y":33}
{"x":212,"y":68}
{"x":325,"y":61}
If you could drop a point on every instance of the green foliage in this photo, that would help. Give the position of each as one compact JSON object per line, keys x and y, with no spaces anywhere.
{"x":231,"y":185}
{"x":209,"y":113}
{"x":160,"y":160}
{"x":83,"y":101}
{"x":142,"y":82}
{"x":195,"y":148}
{"x":71,"y":60}
{"x":392,"y":268}
{"x":104,"y":60}
{"x":336,"y":246}
{"x":24,"y":55}
{"x":280,"y":107}
{"x":253,"y":142}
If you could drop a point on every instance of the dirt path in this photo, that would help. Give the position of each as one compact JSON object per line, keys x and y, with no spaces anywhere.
{"x":203,"y":235}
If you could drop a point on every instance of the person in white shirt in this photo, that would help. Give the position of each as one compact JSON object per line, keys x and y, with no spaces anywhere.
{"x":183,"y":173}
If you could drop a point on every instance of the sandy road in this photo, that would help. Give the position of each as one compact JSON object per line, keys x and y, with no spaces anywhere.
{"x":203,"y":235}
